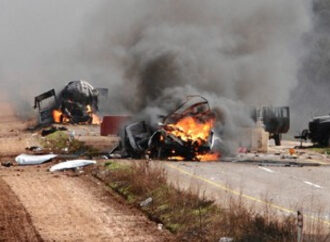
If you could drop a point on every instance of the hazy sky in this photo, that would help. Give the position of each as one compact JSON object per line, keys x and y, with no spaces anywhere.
{"x":37,"y":39}
{"x":243,"y":50}
{"x":37,"y":27}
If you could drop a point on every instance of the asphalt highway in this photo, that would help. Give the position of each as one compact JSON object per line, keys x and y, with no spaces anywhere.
{"x":284,"y":189}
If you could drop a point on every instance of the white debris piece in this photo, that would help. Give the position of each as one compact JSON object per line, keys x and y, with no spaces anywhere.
{"x":226,"y":239}
{"x":160,"y":226}
{"x":71,"y":164}
{"x":146,"y":202}
{"x":25,"y":159}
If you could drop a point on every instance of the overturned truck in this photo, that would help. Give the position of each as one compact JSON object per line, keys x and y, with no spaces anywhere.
{"x":76,"y":103}
{"x":184,"y":134}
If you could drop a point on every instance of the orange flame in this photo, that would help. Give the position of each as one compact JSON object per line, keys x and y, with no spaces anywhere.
{"x":190,"y":129}
{"x":196,"y":132}
{"x":208,"y":157}
{"x":59,"y":117}
{"x":96,"y":119}
{"x":176,"y":158}
{"x":89,"y":109}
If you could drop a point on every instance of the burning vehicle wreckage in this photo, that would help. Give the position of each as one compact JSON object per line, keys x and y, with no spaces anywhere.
{"x":188,"y":134}
{"x":77,"y":103}
{"x":185,"y":134}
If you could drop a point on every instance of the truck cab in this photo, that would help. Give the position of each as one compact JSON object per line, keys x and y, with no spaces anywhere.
{"x":275,"y":119}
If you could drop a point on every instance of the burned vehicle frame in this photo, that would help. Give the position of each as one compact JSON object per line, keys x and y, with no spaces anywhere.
{"x":76,"y":103}
{"x":169,"y":141}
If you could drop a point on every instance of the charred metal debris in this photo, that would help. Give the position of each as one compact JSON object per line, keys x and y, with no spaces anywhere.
{"x":318,"y":131}
{"x":76,"y":103}
{"x":184,"y":134}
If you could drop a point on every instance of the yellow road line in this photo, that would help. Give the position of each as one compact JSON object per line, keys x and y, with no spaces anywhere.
{"x":255,"y":199}
{"x":319,"y":162}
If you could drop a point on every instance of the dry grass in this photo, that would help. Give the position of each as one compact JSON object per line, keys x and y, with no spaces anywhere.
{"x":322,"y":150}
{"x":61,"y":142}
{"x":190,"y":215}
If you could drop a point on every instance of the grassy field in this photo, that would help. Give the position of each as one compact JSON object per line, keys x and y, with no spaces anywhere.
{"x":322,"y":150}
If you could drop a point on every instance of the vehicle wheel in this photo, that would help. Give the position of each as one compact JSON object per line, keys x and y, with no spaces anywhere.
{"x":277,"y":138}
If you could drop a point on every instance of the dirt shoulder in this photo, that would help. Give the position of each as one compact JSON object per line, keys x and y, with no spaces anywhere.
{"x":67,"y":207}
{"x":16,"y":223}
{"x":36,"y":205}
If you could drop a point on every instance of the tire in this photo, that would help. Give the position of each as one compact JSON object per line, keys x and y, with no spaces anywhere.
{"x":277,"y":138}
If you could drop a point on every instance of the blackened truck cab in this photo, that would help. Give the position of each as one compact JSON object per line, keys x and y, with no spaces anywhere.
{"x":77,"y":101}
{"x":318,"y":131}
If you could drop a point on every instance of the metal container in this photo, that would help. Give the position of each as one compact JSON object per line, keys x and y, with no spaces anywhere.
{"x":111,"y":125}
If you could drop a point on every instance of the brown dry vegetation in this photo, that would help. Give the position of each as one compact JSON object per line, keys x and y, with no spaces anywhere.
{"x":62,"y":143}
{"x":191,"y":216}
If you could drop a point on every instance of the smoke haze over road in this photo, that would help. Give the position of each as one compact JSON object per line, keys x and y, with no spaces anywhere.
{"x":144,"y":51}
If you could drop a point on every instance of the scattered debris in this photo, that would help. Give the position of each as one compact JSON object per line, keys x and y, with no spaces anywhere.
{"x":34,"y":148}
{"x":292,"y":151}
{"x":25,"y":159}
{"x":71,"y":164}
{"x":226,"y":239}
{"x":6,"y":164}
{"x":287,"y":164}
{"x":51,"y":130}
{"x":79,"y":171}
{"x":115,"y":156}
{"x":146,"y":202}
{"x":288,"y":157}
{"x":160,"y":226}
{"x":243,"y":150}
